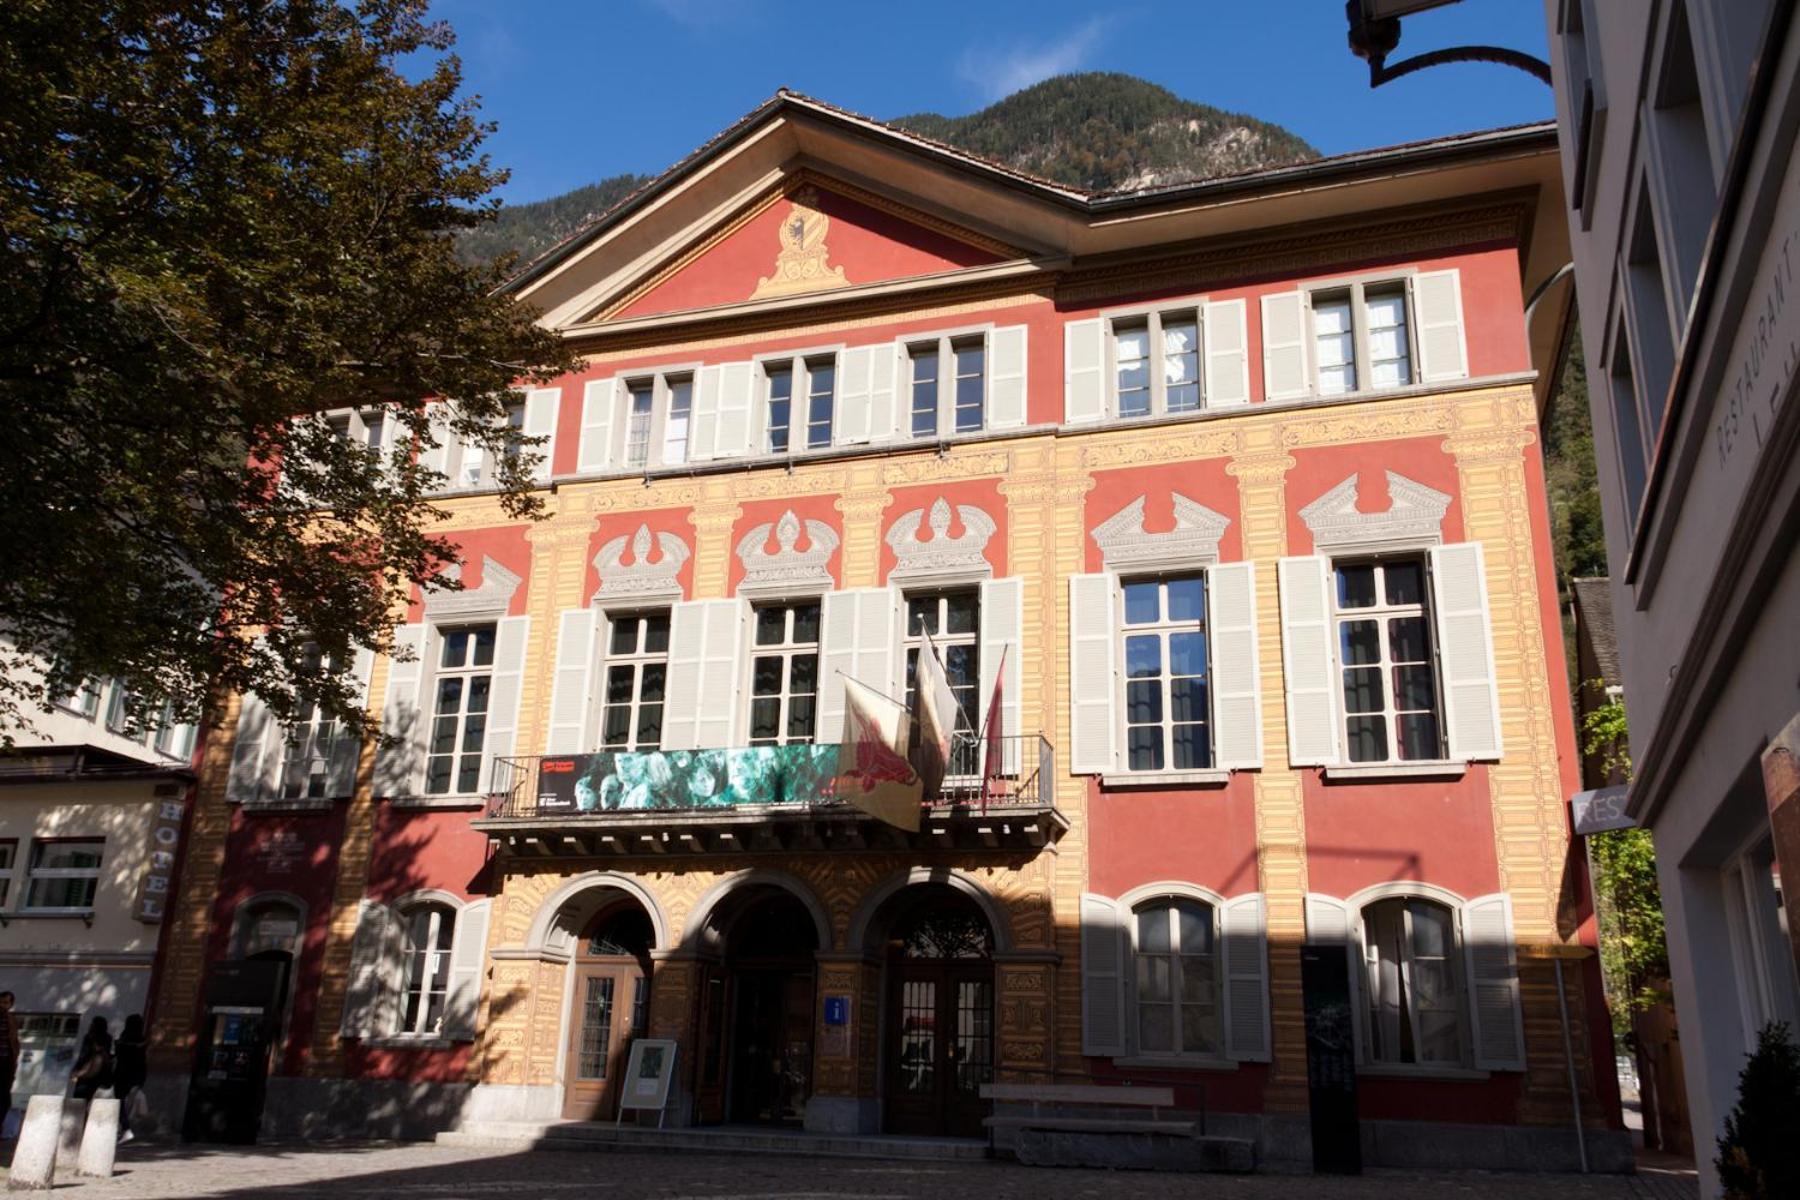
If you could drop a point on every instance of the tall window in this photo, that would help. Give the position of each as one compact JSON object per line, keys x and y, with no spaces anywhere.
{"x":1415,"y":1013}
{"x":311,"y":737}
{"x":1167,"y":702}
{"x":1177,"y":977}
{"x":953,"y":619}
{"x":459,"y":716}
{"x":954,"y":404}
{"x":65,"y":873}
{"x":515,"y":429}
{"x":9,"y":855}
{"x":1361,"y":338}
{"x":637,"y":666}
{"x":821,"y":387}
{"x":1156,"y":363}
{"x":83,"y":699}
{"x":640,"y":401}
{"x":675,"y":425}
{"x":781,"y":405}
{"x":430,"y":932}
{"x":784,"y":674}
{"x":1385,"y":654}
{"x":120,"y":718}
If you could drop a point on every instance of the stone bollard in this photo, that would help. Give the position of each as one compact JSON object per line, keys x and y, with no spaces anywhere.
{"x":34,"y":1157}
{"x":68,"y":1136}
{"x":100,"y":1140}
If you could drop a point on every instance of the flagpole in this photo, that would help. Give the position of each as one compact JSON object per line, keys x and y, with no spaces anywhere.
{"x":854,"y":679}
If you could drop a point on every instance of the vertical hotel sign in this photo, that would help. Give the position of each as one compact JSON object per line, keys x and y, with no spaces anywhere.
{"x":153,"y":887}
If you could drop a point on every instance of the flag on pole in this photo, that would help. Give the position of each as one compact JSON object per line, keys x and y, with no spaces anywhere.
{"x":873,"y":774}
{"x":936,"y":716}
{"x":991,"y":765}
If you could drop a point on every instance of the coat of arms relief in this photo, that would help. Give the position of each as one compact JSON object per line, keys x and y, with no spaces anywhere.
{"x":801,"y":264}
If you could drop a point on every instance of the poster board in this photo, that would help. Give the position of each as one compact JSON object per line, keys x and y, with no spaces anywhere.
{"x":649,"y":1075}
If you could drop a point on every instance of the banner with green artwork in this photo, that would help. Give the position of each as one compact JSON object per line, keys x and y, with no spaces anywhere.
{"x":687,"y":779}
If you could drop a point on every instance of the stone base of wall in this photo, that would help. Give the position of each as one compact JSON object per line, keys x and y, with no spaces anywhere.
{"x":300,"y":1109}
{"x":490,"y":1102}
{"x":843,"y":1114}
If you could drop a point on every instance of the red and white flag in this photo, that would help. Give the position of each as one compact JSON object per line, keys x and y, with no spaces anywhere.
{"x":936,"y":716}
{"x":992,"y":765}
{"x":873,"y":773}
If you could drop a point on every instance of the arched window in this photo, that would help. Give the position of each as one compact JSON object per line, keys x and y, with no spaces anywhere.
{"x":269,"y":925}
{"x":1176,"y":975}
{"x":1414,"y":993}
{"x":430,"y":933}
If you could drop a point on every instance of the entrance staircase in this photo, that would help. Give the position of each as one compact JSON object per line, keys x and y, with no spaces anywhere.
{"x":730,"y":1139}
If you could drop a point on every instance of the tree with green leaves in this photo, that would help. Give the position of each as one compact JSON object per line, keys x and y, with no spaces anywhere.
{"x":220,"y":219}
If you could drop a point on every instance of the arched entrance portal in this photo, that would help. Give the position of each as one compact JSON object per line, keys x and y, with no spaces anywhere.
{"x":610,"y":978}
{"x":939,"y":1022}
{"x":756,"y":1010}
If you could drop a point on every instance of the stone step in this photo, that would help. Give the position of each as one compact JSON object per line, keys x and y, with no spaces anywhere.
{"x":600,"y":1136}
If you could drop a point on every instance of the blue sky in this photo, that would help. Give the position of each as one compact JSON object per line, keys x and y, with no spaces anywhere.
{"x":584,"y":89}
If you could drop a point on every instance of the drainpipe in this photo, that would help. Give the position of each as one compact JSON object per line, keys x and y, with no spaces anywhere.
{"x":1562,"y":1004}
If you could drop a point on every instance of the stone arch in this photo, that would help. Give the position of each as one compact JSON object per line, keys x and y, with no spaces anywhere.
{"x":700,"y":916}
{"x":863,"y":920}
{"x":248,"y":907}
{"x":567,"y":910}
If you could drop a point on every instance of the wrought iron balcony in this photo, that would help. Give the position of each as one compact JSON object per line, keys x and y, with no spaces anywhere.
{"x":759,"y":799}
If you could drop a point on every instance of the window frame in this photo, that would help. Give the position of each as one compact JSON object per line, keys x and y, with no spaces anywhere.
{"x":663,"y":382}
{"x":468,"y":671}
{"x":962,"y":742}
{"x":798,"y":365}
{"x":84,"y":699}
{"x":9,"y":870}
{"x":320,"y":730}
{"x":787,"y":650}
{"x":1162,"y":628}
{"x":1151,"y":317}
{"x":637,"y":659}
{"x":1168,"y":893}
{"x":34,"y":872}
{"x":1381,"y":612}
{"x":944,"y":343}
{"x":1356,"y":289}
{"x":1455,"y":958}
{"x":431,"y":955}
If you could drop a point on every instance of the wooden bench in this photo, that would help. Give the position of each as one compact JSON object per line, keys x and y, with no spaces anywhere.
{"x":1051,"y":1135}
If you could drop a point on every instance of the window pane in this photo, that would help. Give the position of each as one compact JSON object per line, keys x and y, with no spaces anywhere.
{"x":1362,"y":690}
{"x":1334,"y":348}
{"x":1132,"y":345}
{"x":806,"y":624}
{"x":1196,"y":979}
{"x":1187,"y":599}
{"x":1192,"y":751}
{"x":1406,"y":640}
{"x":649,"y":727}
{"x":483,"y":640}
{"x":456,"y":648}
{"x":1389,"y":361}
{"x":1368,"y":739}
{"x":959,"y":613}
{"x":656,"y":633}
{"x":1187,"y":654}
{"x":803,"y":674}
{"x":1156,"y":1028}
{"x":1143,"y":746}
{"x":771,"y":626}
{"x":651,"y":688}
{"x":765,"y":718}
{"x":616,"y":730}
{"x":1359,"y":642}
{"x":1419,"y":738}
{"x":1143,"y":655}
{"x":800,"y":718}
{"x":1142,"y":602}
{"x":478,"y":694}
{"x":1356,"y":586}
{"x":1197,"y":1033}
{"x":1153,"y":932}
{"x":765,"y":677}
{"x":1187,"y":699}
{"x":618,"y":684}
{"x":1412,"y":688}
{"x":1143,"y":702}
{"x":1405,"y":582}
{"x":1196,"y":926}
{"x":921,"y":617}
{"x":624,"y":635}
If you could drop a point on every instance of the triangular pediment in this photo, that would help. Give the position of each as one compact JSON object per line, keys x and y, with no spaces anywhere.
{"x":810,"y":235}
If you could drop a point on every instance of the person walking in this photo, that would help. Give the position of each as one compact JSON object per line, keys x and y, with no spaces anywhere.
{"x":9,"y":1052}
{"x":130,"y":1070}
{"x":94,"y":1065}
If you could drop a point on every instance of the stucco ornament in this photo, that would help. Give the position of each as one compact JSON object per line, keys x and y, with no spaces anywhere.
{"x":494,"y":596}
{"x":1415,"y":517}
{"x":642,"y":577}
{"x":1124,"y":542}
{"x":787,"y":565}
{"x":801,"y":264}
{"x":940,"y":553}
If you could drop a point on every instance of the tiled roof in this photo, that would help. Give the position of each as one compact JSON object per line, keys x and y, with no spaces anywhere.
{"x":1594,"y":613}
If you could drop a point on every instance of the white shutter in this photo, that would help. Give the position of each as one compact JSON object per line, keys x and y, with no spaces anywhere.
{"x":571,"y":692}
{"x":1084,"y":371}
{"x":257,"y":744}
{"x":1285,"y":374}
{"x":856,"y":641}
{"x":541,"y":405}
{"x":400,"y":767}
{"x":346,"y":747}
{"x":1437,"y":308}
{"x":737,"y":390}
{"x":856,"y":385}
{"x":1243,"y":926}
{"x":437,"y":457}
{"x":1104,"y":948}
{"x":703,"y":438}
{"x":468,"y":962}
{"x":1093,"y":674}
{"x":1006,"y":408}
{"x":599,"y":414}
{"x":884,"y":390}
{"x":705,"y":640}
{"x":1465,"y":651}
{"x":1498,"y":1026}
{"x":1329,"y":923}
{"x":369,"y":1005}
{"x":1227,"y":349}
{"x":1002,"y":621}
{"x":1306,"y":661}
{"x":1236,"y":686}
{"x":510,"y":637}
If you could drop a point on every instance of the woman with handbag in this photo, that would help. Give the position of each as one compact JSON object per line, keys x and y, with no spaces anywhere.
{"x":94,"y":1065}
{"x":130,"y":1069}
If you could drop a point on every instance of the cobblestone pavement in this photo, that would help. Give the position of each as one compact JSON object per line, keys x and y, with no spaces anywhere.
{"x":428,"y":1172}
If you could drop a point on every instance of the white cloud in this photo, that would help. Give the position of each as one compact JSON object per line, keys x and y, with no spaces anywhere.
{"x":1001,"y":69}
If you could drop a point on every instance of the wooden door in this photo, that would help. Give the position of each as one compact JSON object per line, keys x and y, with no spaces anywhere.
{"x":607,"y":1000}
{"x":940,"y":1046}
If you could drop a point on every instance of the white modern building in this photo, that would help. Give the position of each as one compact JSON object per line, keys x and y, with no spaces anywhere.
{"x":1678,"y":121}
{"x":90,"y":820}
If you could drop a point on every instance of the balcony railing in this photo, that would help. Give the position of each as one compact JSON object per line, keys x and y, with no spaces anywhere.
{"x":778,"y":779}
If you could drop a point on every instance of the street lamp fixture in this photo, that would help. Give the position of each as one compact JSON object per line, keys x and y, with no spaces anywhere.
{"x":1375,"y":32}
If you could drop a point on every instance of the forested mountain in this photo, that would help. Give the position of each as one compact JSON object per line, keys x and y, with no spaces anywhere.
{"x":1094,"y":131}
